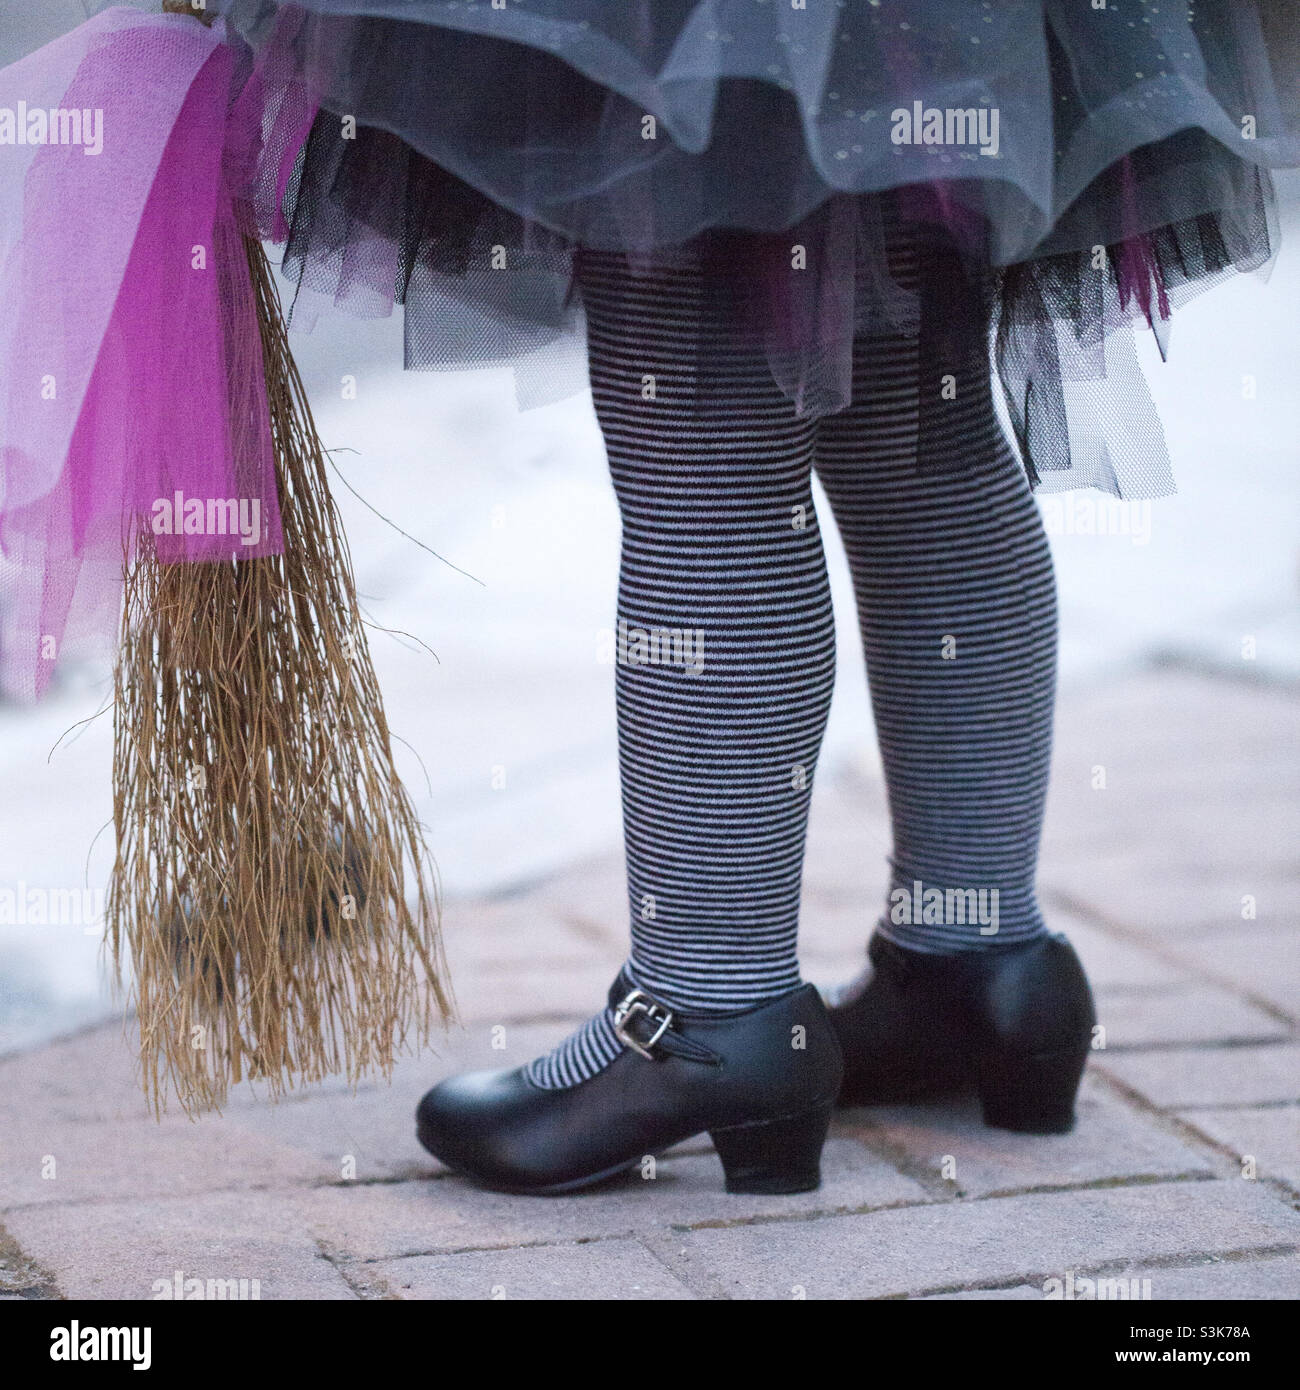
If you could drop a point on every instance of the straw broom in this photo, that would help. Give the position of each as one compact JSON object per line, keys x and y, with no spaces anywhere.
{"x":272,"y":892}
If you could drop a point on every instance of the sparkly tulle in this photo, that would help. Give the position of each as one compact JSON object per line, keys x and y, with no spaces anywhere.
{"x":643,"y":122}
{"x":465,"y":152}
{"x":459,"y":156}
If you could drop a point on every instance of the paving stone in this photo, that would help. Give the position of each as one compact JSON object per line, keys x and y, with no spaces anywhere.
{"x":555,"y":921}
{"x":1270,"y":1135}
{"x":1258,"y":960}
{"x":1244,"y":832}
{"x":590,"y":899}
{"x":375,"y":1128}
{"x":253,"y":1143}
{"x":1235,"y":829}
{"x":1209,"y":763}
{"x":506,"y":993}
{"x":19,"y":1276}
{"x":1021,"y":1293}
{"x":1163,"y":718}
{"x":1277,"y":1276}
{"x":1182,"y":901}
{"x":1198,"y":813}
{"x":528,"y":957}
{"x":834,"y":966}
{"x":1274,"y":1277}
{"x":1110,"y":1141}
{"x":602,"y":1270}
{"x":837,"y":929}
{"x":89,"y":1076}
{"x":1194,"y":1014}
{"x":139,"y":1158}
{"x":383,"y":1221}
{"x":116,"y":1250}
{"x":364,"y":1137}
{"x":848,"y":846}
{"x":1175,"y":1077}
{"x":948,"y":1245}
{"x":1115,"y":965}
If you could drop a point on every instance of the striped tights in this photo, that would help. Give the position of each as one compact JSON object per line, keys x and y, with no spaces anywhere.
{"x":726,"y":647}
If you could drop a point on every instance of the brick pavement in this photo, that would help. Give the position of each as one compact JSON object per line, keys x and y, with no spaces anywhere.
{"x":1179,"y":883}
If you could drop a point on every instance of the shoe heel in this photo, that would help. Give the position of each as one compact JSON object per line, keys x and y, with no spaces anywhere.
{"x":1031,"y":1093}
{"x":774,"y":1156}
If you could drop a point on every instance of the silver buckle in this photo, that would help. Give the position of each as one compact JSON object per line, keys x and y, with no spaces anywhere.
{"x":638,"y":1002}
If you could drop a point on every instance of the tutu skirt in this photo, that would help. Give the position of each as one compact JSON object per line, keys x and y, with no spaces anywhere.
{"x":1075,"y":170}
{"x":1065,"y":174}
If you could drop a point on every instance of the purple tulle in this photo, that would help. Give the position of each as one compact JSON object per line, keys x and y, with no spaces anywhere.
{"x":133,"y":396}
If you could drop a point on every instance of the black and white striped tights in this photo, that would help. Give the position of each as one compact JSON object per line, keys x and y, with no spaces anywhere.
{"x":727,"y":648}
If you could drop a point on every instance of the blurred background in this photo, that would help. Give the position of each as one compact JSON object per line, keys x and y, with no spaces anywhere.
{"x":493,"y":683}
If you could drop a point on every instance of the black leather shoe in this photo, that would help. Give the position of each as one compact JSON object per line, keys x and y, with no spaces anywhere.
{"x":1013,"y":1025}
{"x":762,"y":1083}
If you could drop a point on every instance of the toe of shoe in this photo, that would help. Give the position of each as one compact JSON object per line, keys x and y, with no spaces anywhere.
{"x":459,"y":1116}
{"x":445,"y":1113}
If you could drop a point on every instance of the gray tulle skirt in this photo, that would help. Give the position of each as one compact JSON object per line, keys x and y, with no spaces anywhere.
{"x":1069,"y":173}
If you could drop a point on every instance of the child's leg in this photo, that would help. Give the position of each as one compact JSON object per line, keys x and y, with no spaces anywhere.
{"x":726,"y":651}
{"x":957,"y":605}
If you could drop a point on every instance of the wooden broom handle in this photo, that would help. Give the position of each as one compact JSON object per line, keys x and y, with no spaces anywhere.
{"x":185,"y":7}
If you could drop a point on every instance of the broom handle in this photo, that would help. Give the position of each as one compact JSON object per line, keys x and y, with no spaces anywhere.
{"x":187,"y":7}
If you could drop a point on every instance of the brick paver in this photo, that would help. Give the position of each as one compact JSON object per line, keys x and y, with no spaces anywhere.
{"x":1169,"y":1077}
{"x":609,"y":1270}
{"x":927,"y":1248}
{"x":329,"y":1196}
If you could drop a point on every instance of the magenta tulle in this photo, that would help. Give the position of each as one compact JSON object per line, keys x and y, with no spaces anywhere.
{"x":134,"y":400}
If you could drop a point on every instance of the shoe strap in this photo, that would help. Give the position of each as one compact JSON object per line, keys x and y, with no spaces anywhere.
{"x":648,"y":1026}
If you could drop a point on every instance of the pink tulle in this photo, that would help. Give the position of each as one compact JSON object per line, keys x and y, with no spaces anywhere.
{"x":1137,"y":268}
{"x":133,"y":395}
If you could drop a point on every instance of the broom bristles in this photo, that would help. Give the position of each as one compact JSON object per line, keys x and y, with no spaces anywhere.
{"x":272,"y":890}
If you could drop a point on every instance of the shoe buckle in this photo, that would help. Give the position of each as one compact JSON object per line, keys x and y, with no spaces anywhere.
{"x":639,"y":1002}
